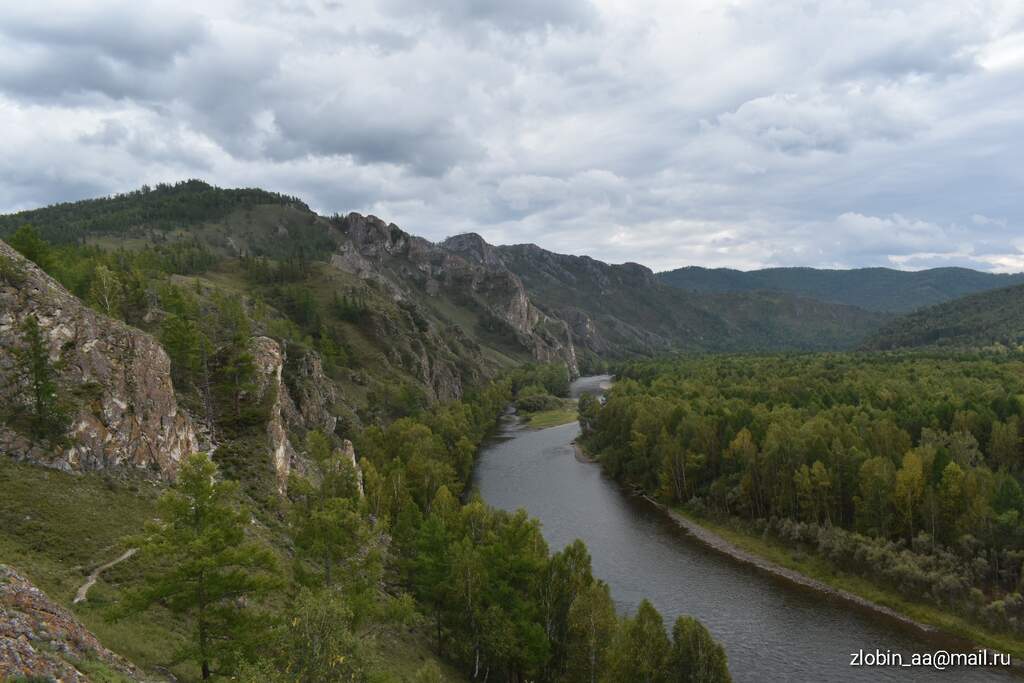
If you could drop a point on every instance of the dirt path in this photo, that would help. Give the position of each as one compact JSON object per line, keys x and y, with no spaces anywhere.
{"x":83,"y":590}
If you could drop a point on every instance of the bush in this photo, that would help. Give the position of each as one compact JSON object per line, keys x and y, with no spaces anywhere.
{"x":537,"y":403}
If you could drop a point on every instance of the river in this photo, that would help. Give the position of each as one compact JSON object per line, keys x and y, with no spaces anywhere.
{"x":772,"y":630}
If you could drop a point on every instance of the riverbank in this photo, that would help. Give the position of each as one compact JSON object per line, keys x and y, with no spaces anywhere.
{"x":581,"y":454}
{"x":817,"y":574}
{"x":556,"y":417}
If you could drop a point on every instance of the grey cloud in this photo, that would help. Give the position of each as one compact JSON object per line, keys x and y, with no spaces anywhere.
{"x":123,"y":32}
{"x":516,"y":17}
{"x":833,"y":134}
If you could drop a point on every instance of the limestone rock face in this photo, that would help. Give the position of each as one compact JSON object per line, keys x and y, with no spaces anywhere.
{"x":39,"y":638}
{"x":124,"y":409}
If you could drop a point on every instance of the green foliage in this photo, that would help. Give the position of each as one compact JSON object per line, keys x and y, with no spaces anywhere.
{"x":33,"y":247}
{"x":316,"y":642}
{"x":876,"y":289}
{"x":695,"y":657}
{"x":905,"y":469}
{"x":42,"y":409}
{"x":11,"y":271}
{"x":992,"y":319}
{"x":592,"y":624}
{"x":639,"y":650}
{"x":531,"y":380}
{"x":200,"y":564}
{"x":328,"y":521}
{"x":164,"y":208}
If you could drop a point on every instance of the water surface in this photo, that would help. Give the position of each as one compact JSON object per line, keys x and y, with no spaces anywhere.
{"x":771,"y":629}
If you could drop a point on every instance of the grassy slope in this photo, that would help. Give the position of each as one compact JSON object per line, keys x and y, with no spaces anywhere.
{"x":56,"y":527}
{"x":819,"y":568}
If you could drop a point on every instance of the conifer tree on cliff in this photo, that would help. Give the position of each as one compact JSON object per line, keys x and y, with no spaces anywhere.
{"x":200,"y":564}
{"x":36,"y":377}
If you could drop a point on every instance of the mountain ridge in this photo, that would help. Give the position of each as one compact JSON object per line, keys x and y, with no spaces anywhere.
{"x":872,"y":288}
{"x":991,"y":319}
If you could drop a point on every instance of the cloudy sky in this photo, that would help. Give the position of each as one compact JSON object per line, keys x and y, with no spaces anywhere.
{"x":741,"y":134}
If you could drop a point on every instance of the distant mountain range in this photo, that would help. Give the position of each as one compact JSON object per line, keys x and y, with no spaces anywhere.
{"x":449,"y":314}
{"x":874,"y":289}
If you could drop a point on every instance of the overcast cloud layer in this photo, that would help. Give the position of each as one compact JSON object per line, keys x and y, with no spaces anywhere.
{"x":742,"y":134}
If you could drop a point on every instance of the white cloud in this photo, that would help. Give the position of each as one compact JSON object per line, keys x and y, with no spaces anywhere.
{"x":740,"y":134}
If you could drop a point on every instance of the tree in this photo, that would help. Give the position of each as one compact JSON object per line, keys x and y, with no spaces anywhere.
{"x":695,"y":656}
{"x":592,"y":623}
{"x":951,"y":500}
{"x":566,"y":574}
{"x":234,"y":378}
{"x":1005,"y":443}
{"x":37,"y":377}
{"x":106,"y":292}
{"x":32,"y":246}
{"x":318,"y":643}
{"x":328,"y":523}
{"x":874,"y":501}
{"x":909,"y":489}
{"x":640,"y":649}
{"x":432,"y":569}
{"x":198,"y":563}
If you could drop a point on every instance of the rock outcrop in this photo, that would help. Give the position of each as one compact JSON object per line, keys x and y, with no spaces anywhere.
{"x":41,"y":640}
{"x":116,"y":378}
{"x":467,"y":270}
{"x":300,"y":400}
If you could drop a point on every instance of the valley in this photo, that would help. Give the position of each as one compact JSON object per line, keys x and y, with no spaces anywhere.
{"x":348,"y":381}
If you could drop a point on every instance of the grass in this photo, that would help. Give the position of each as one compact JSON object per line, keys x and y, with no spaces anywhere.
{"x":56,"y":527}
{"x":819,"y":568}
{"x":543,"y":419}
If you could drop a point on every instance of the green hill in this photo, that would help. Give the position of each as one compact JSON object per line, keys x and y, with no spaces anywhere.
{"x":875,"y":289}
{"x":994,"y":318}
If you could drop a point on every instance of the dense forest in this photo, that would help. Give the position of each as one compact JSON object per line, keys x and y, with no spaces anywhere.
{"x":993,"y":320}
{"x":873,"y":289}
{"x":302,"y":586}
{"x":905,"y":469}
{"x":165,"y":207}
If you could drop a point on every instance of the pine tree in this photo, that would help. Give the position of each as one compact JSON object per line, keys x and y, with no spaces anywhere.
{"x":37,"y":377}
{"x":328,"y":520}
{"x":200,"y":564}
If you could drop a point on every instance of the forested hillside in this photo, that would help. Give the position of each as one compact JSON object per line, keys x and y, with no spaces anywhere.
{"x":617,"y":310}
{"x":874,"y":289}
{"x":988,"y":320}
{"x":902,"y":469}
{"x":337,"y":376}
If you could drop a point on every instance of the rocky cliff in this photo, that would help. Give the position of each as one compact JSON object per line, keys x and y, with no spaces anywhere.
{"x":40,"y":640}
{"x":411,"y":266}
{"x":304,"y":402}
{"x":623,"y":309}
{"x":115,"y":378}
